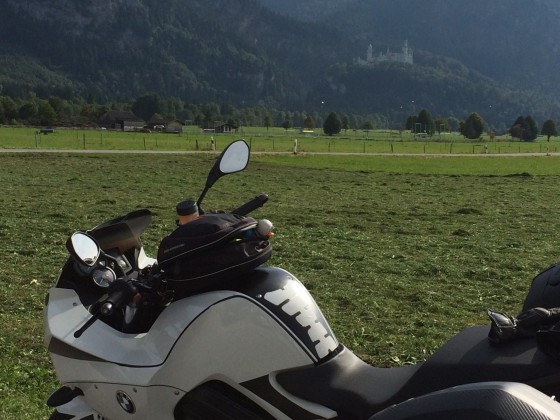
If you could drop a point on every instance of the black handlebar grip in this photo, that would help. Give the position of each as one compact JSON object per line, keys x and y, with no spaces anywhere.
{"x":122,"y":293}
{"x":254,"y":204}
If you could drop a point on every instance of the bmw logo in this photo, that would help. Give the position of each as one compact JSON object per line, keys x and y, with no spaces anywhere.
{"x":125,"y":402}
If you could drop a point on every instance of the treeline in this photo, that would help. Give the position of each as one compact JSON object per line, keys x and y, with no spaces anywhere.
{"x":55,"y":111}
{"x":524,"y":128}
{"x":449,"y":91}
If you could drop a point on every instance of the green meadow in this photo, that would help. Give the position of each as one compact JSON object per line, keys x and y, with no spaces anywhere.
{"x":273,"y":139}
{"x":400,"y":252}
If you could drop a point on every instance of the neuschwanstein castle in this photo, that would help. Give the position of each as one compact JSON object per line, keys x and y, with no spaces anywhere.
{"x":405,"y":56}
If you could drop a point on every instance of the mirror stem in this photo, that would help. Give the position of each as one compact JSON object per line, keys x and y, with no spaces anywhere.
{"x":202,"y":195}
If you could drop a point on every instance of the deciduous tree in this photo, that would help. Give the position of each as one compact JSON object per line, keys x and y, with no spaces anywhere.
{"x":524,"y":128}
{"x":426,"y":122}
{"x":345,"y":123}
{"x":309,"y":122}
{"x":472,"y":127}
{"x":549,"y":129}
{"x":267,"y":122}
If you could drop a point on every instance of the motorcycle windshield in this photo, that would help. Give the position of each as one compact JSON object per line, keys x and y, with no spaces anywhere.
{"x":122,"y":232}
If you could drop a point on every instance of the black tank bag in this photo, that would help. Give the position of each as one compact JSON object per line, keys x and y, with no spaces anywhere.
{"x":209,"y":250}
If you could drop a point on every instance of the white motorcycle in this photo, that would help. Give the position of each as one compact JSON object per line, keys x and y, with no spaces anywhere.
{"x":208,"y":332}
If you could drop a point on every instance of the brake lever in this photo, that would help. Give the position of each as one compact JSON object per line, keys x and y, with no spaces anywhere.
{"x":78,"y":333}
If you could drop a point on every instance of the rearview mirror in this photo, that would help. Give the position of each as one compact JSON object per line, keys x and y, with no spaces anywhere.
{"x":234,"y":158}
{"x":84,"y":248}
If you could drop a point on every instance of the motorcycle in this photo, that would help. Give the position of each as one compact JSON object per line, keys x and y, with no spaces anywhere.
{"x":132,"y":337}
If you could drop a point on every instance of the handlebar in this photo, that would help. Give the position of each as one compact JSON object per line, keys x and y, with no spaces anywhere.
{"x":123,"y":292}
{"x":251,"y":205}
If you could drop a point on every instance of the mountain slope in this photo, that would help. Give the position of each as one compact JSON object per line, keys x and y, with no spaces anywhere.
{"x":306,"y":10}
{"x":240,"y":52}
{"x":398,"y":90}
{"x":513,"y":42}
{"x":191,"y":49}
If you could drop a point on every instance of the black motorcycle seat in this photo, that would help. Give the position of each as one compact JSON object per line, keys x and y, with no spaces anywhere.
{"x":348,"y":385}
{"x":357,"y":390}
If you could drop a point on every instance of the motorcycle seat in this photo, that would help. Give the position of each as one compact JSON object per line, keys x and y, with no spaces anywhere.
{"x":348,"y":385}
{"x":357,"y":390}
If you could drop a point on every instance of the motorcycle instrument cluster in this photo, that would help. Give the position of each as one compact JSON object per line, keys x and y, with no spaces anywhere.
{"x":104,"y":277}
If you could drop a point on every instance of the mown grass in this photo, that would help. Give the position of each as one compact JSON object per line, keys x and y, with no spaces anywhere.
{"x":273,"y":139}
{"x":435,"y":165}
{"x":400,"y":253}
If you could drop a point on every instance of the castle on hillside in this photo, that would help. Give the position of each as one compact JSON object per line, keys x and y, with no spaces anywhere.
{"x":405,"y":56}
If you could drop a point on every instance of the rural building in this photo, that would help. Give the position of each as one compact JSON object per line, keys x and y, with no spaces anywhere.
{"x":157,"y":123}
{"x":174,"y":126}
{"x":121,"y":120}
{"x":225,"y":128}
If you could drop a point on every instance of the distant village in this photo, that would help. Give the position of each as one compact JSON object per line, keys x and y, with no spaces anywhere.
{"x":405,"y":56}
{"x":128,"y":121}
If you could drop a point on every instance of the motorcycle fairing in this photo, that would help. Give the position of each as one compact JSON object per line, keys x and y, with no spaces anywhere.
{"x":123,"y":235}
{"x":281,"y":293}
{"x":213,"y":399}
{"x":268,"y":389}
{"x":267,"y":317}
{"x":76,"y":409}
{"x":233,"y":341}
{"x":137,"y":221}
{"x":274,"y":290}
{"x":65,"y":315}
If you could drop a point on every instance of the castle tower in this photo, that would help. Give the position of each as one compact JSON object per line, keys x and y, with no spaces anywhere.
{"x":407,"y":53}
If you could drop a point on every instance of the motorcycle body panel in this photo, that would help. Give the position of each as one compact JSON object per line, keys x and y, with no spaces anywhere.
{"x":77,"y":409}
{"x":65,"y":315}
{"x":268,"y":318}
{"x":488,"y":400}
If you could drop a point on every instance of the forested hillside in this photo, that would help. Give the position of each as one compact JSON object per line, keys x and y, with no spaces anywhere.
{"x":202,"y":51}
{"x":498,"y":58}
{"x":495,"y":58}
{"x":514,"y":41}
{"x":307,"y":10}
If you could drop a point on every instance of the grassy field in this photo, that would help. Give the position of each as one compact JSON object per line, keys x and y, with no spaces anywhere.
{"x":272,"y":140}
{"x":400,"y":252}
